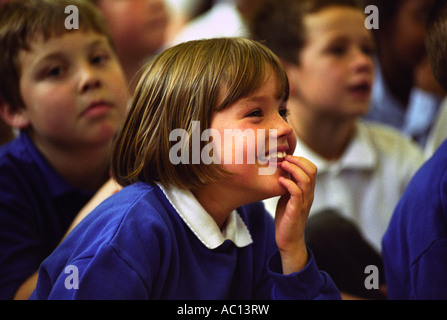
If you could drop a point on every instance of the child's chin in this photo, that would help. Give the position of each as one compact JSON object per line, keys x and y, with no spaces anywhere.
{"x":276,"y":188}
{"x":283,"y":191}
{"x":277,"y":191}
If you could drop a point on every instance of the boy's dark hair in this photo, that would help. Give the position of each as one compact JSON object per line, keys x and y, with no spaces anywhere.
{"x":22,"y":21}
{"x":279,"y":24}
{"x":436,"y":41}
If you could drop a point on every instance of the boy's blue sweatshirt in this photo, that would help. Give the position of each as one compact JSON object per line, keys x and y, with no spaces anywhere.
{"x":37,"y":205}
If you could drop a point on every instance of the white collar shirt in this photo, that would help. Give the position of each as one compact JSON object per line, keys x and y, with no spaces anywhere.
{"x":203,"y":225}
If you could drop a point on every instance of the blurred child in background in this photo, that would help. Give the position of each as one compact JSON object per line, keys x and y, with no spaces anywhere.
{"x":65,"y":90}
{"x":362,"y":168}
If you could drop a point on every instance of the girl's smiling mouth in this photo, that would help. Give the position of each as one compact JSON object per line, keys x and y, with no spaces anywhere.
{"x":274,"y":156}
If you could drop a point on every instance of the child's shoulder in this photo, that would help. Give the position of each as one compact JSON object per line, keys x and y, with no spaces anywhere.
{"x":381,"y":131}
{"x":434,"y":171}
{"x":13,"y":149}
{"x":387,"y":140}
{"x":137,"y":202}
{"x":20,"y":161}
{"x":135,"y":213}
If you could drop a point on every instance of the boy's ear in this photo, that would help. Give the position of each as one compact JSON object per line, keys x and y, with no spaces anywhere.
{"x":291,"y":70}
{"x":16,"y":118}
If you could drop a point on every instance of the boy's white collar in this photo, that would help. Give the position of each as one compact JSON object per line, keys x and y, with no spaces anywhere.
{"x":203,"y":225}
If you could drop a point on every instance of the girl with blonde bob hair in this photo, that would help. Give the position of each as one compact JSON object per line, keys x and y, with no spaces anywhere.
{"x":187,"y":83}
{"x":196,"y":231}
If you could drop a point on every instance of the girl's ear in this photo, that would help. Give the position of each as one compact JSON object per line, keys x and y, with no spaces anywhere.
{"x":16,"y":118}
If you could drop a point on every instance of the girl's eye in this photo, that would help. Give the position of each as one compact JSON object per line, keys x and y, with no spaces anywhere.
{"x":284,"y":112}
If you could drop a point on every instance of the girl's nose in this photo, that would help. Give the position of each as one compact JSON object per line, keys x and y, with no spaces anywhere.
{"x":283,"y":128}
{"x":283,"y":134}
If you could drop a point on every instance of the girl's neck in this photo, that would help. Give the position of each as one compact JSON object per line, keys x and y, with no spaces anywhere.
{"x":211,"y":199}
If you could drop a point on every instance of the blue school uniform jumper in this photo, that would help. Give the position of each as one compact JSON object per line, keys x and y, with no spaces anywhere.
{"x":136,"y":245}
{"x":36,"y":208}
{"x":415,"y":244}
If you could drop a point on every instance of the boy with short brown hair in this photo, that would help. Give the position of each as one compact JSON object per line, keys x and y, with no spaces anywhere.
{"x":66,"y":92}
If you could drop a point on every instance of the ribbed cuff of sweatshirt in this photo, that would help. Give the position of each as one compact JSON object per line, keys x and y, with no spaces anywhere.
{"x":308,"y":284}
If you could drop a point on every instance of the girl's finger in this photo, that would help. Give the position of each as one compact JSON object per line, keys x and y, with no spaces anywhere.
{"x":304,"y":164}
{"x":302,"y":173}
{"x":292,"y":188}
